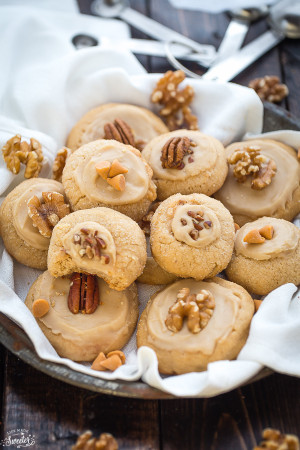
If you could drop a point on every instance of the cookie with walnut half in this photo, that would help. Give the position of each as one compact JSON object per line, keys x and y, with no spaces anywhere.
{"x":266,"y":255}
{"x":192,"y":236}
{"x":84,"y":316}
{"x":186,"y":162}
{"x":129,"y":124}
{"x":99,"y":241}
{"x":27,"y":217}
{"x":263,"y":180}
{"x":192,"y":323}
{"x":109,"y":173}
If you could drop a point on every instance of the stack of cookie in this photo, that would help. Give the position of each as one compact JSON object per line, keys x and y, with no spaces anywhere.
{"x":122,"y":175}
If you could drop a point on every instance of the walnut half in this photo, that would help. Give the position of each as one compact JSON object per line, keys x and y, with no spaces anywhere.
{"x":198,"y":308}
{"x":175,"y":101}
{"x":47,"y":213}
{"x":250,"y":162}
{"x":275,"y":440}
{"x":16,"y":152}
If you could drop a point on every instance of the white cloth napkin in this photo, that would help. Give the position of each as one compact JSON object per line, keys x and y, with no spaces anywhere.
{"x":217,"y":6}
{"x":44,"y":99}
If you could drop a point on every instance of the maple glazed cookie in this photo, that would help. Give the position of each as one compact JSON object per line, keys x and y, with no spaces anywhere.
{"x":109,"y":173}
{"x":186,"y":161}
{"x":192,"y":323}
{"x":99,"y":241}
{"x":266,"y":255}
{"x":81,"y":316}
{"x":27,"y":217}
{"x":192,"y":236}
{"x":263,"y":180}
{"x":127,"y":123}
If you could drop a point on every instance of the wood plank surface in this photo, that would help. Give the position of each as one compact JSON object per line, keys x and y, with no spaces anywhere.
{"x":56,"y":413}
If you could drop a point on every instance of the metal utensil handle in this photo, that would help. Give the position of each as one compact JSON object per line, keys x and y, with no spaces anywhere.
{"x":226,"y":70}
{"x":233,"y":39}
{"x":161,"y":32}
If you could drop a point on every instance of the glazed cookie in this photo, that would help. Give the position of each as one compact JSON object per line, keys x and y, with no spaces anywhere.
{"x":192,"y":236}
{"x":99,"y":241}
{"x":81,"y":324}
{"x":266,"y":255}
{"x":143,"y":125}
{"x":27,"y":217}
{"x":186,"y":161}
{"x":263,"y":180}
{"x":108,"y":173}
{"x":192,"y":323}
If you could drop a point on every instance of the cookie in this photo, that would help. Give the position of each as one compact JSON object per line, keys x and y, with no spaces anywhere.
{"x":98,"y":241}
{"x":143,"y":123}
{"x":109,"y":173}
{"x":192,"y":236}
{"x":263,"y":180}
{"x":81,"y":336}
{"x":154,"y":274}
{"x":27,"y":217}
{"x":266,"y":255}
{"x":186,"y":162}
{"x":192,"y":323}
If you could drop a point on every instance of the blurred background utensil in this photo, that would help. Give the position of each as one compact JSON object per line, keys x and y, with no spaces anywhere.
{"x":121,"y":9}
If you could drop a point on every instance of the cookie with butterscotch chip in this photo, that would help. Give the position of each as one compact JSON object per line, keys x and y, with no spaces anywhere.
{"x":111,"y":174}
{"x":266,"y":255}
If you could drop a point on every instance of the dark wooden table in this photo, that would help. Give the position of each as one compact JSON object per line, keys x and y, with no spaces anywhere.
{"x":56,"y":413}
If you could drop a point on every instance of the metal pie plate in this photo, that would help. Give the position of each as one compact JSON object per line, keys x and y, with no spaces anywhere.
{"x":16,"y":340}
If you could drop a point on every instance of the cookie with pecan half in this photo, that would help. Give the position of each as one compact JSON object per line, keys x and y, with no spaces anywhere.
{"x":84,"y":315}
{"x":186,"y":161}
{"x":27,"y":218}
{"x":128,"y":124}
{"x":98,"y":241}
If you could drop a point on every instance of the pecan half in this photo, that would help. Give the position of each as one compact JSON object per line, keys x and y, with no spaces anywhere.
{"x":174,"y":151}
{"x":120,"y":131}
{"x":83,"y":294}
{"x":16,"y":152}
{"x":198,"y":308}
{"x":47,"y":213}
{"x":86,"y":441}
{"x":250,"y":162}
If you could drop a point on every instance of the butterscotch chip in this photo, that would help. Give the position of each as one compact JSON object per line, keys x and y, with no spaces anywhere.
{"x":267,"y":232}
{"x":254,"y":237}
{"x":97,"y":362}
{"x":236,"y":227}
{"x":119,"y":353}
{"x":116,"y":169}
{"x":40,"y":307}
{"x":102,"y":169}
{"x":118,"y":182}
{"x":112,"y":363}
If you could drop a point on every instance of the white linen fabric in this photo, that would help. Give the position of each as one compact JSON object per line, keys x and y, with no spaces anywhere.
{"x":52,"y":88}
